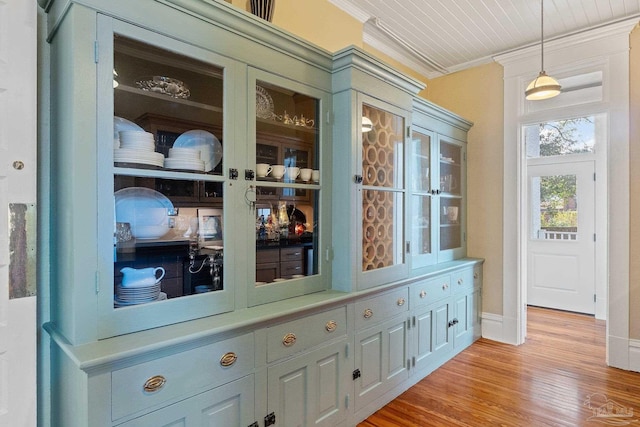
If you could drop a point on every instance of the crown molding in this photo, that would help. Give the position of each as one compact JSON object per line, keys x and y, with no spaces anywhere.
{"x":352,"y":10}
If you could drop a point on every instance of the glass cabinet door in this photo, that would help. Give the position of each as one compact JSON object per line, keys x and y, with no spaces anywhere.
{"x":166,"y":213}
{"x":451,"y":202}
{"x":382,"y":151}
{"x":422,"y":198}
{"x":287,"y":156}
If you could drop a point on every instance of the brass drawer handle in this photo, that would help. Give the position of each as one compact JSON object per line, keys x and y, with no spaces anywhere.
{"x":476,"y":275}
{"x":289,"y":339}
{"x":331,"y":326}
{"x":154,"y":383}
{"x":460,"y":281}
{"x":368,"y":313}
{"x":400,"y":302}
{"x":445,"y":287}
{"x":228,"y":359}
{"x":423,"y":294}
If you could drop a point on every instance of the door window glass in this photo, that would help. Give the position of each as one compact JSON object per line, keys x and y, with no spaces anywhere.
{"x":554,"y":207}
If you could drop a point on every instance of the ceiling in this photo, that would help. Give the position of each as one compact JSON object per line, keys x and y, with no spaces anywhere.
{"x":437,"y":37}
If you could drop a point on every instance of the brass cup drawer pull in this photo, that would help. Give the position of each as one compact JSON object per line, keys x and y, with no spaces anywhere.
{"x":400,"y":302}
{"x":228,"y":359}
{"x":423,"y":294}
{"x":289,"y":339}
{"x":460,"y":281}
{"x":154,"y":383}
{"x":476,"y":275}
{"x":368,"y":313}
{"x":331,"y":326}
{"x":445,"y":287}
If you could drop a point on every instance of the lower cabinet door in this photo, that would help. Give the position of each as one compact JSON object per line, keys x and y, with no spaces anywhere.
{"x":432,"y":338}
{"x":310,"y":389}
{"x":381,"y":360}
{"x":232,"y":404}
{"x":463,"y":313}
{"x":467,"y":312}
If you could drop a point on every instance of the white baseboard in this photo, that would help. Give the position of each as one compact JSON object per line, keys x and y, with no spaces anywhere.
{"x":492,"y":327}
{"x":634,"y":355}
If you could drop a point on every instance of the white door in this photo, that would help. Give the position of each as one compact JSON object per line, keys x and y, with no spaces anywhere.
{"x":561,"y":245}
{"x":17,"y":198}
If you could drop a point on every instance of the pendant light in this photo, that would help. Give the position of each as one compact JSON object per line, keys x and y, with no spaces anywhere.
{"x":544,"y":86}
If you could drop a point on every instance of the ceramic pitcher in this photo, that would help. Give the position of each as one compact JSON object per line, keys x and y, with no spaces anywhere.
{"x":139,"y":277}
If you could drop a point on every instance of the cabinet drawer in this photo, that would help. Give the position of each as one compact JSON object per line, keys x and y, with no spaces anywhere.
{"x":291,"y":254}
{"x":290,"y":268}
{"x":142,"y":386}
{"x":462,"y":281}
{"x":431,"y":290}
{"x":265,"y":256}
{"x":381,"y":307}
{"x":301,"y":334}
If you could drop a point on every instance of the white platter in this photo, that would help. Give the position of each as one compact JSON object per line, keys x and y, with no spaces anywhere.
{"x":146,"y":210}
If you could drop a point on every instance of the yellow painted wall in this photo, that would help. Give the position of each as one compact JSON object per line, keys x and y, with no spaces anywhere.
{"x":318,"y":22}
{"x":477,"y":95}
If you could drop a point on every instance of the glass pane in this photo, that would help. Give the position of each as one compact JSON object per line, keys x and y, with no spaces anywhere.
{"x":421,"y":225}
{"x":561,"y":137}
{"x":287,"y":147}
{"x":554,"y":207}
{"x":450,"y":220}
{"x":168,"y":233}
{"x":450,"y":168}
{"x":176,"y":100}
{"x":382,"y":229}
{"x":286,"y":239}
{"x":421,"y":160}
{"x":382,"y":149}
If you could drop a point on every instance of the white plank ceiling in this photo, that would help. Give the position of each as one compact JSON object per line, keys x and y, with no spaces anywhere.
{"x":442,"y":36}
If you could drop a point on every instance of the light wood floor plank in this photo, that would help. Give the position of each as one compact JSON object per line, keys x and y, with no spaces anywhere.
{"x":544,"y":382}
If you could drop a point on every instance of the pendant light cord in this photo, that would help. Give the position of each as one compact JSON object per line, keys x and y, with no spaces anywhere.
{"x":542,"y":35}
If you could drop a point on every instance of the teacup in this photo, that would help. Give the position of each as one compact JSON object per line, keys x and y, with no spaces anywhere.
{"x":315,"y":175}
{"x":305,"y":174}
{"x":263,"y":169}
{"x":292,"y":173}
{"x":277,"y":171}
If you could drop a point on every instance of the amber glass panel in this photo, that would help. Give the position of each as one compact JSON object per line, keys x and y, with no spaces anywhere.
{"x":382,"y":164}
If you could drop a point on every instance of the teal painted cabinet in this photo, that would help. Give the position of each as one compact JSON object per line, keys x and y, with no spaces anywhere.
{"x":241,"y":222}
{"x":437,"y":187}
{"x":177,"y":159}
{"x":373,"y":115}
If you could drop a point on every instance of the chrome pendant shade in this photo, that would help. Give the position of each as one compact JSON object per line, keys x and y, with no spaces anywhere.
{"x":543,"y":86}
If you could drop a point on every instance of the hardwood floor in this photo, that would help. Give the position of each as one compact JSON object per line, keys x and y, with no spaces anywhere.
{"x":544,"y":382}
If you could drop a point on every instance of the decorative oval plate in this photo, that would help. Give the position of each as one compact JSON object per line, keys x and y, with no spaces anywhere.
{"x":264,"y":104}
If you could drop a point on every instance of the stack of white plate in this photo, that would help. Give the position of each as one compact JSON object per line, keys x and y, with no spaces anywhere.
{"x":138,"y":295}
{"x":209,"y":146}
{"x":184,"y":158}
{"x":137,"y":147}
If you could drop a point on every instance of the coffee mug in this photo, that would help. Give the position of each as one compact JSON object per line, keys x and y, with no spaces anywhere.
{"x":277,"y":171}
{"x":292,"y":173}
{"x":305,"y":174}
{"x":263,"y":169}
{"x":315,"y":176}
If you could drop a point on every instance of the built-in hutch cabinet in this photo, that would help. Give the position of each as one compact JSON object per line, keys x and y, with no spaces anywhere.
{"x":247,"y":230}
